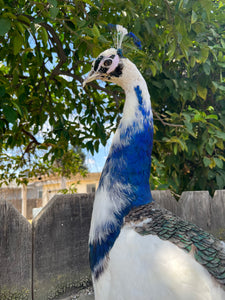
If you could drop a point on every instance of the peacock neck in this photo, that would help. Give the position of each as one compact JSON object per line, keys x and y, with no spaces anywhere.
{"x":124,"y":182}
{"x":136,"y":92}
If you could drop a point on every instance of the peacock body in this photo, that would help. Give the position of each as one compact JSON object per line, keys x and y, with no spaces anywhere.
{"x":136,"y":250}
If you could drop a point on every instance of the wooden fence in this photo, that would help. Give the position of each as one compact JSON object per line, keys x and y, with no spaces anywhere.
{"x":49,"y":259}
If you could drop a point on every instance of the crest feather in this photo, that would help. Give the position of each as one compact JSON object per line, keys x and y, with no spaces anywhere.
{"x":121,"y":32}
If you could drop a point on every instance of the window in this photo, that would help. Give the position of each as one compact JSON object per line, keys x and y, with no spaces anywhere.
{"x":40,"y":194}
{"x":91,"y":188}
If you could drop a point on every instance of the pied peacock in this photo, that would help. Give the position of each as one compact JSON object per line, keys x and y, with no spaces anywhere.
{"x":138,"y":251}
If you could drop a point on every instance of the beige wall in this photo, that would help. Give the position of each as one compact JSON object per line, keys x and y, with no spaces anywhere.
{"x":48,"y":186}
{"x":54,"y":186}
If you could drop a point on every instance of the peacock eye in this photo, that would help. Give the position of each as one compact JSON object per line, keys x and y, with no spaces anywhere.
{"x":107,"y":62}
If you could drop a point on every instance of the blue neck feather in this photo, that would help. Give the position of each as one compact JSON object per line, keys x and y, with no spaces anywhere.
{"x":128,"y":165}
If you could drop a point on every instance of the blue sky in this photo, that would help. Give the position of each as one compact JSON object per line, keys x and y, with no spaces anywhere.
{"x":96,"y":162}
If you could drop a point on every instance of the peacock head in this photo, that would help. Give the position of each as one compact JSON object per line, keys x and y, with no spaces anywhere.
{"x":108,"y":66}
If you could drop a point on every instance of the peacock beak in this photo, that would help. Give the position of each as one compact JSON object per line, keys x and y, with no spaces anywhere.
{"x":91,"y":76}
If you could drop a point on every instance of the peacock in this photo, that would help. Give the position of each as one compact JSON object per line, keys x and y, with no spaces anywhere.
{"x":138,"y":250}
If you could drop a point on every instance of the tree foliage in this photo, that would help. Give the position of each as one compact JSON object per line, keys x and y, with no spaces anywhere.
{"x":46,"y":48}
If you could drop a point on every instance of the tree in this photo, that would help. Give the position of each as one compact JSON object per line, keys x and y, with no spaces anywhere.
{"x":47,"y":48}
{"x":72,"y":158}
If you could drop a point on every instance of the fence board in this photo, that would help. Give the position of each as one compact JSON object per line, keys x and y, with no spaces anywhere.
{"x":166,"y":200}
{"x":15,"y":254}
{"x":218,"y":214}
{"x":60,"y":241}
{"x":195,"y":207}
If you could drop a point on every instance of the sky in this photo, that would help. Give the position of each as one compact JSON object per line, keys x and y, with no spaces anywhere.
{"x":95,"y":163}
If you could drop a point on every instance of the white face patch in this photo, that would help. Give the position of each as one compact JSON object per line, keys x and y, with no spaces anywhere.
{"x":114,"y":64}
{"x":110,"y":62}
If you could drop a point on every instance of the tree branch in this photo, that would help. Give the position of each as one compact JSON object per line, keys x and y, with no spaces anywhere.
{"x":165,"y":123}
{"x":55,"y":41}
{"x":55,"y":38}
{"x":32,"y":144}
{"x":34,"y":140}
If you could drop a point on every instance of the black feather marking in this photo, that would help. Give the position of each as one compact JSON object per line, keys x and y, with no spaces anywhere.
{"x":103,"y":70}
{"x":97,"y":62}
{"x":118,"y":71}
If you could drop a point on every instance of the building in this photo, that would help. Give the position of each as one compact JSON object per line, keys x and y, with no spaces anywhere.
{"x":40,"y":190}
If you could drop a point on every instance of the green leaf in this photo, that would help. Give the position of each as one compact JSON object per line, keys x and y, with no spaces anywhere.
{"x":5,"y":25}
{"x":222,"y":43}
{"x":17,"y":43}
{"x":54,"y":12}
{"x":206,"y":161}
{"x":96,"y":145}
{"x":53,"y":2}
{"x":90,"y":147}
{"x":220,"y":145}
{"x":206,"y":68}
{"x":175,"y":149}
{"x":218,"y":162}
{"x":171,"y":50}
{"x":194,"y":17}
{"x":44,"y":35}
{"x":2,"y":90}
{"x":220,"y":181}
{"x":10,"y":114}
{"x":180,"y":4}
{"x":220,"y":134}
{"x":214,"y":117}
{"x":212,"y":164}
{"x":17,"y":108}
{"x":218,"y":86}
{"x":221,"y":64}
{"x":21,"y":27}
{"x":202,"y":92}
{"x":95,"y":30}
{"x":204,"y":54}
{"x":153,"y":69}
{"x":192,"y":62}
{"x":185,"y":50}
{"x":209,"y":149}
{"x":24,"y":19}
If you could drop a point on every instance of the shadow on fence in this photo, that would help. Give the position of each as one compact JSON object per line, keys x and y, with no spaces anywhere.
{"x":50,"y":258}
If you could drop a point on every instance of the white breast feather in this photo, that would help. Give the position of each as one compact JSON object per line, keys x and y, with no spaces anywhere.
{"x":148,"y":268}
{"x":103,"y":210}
